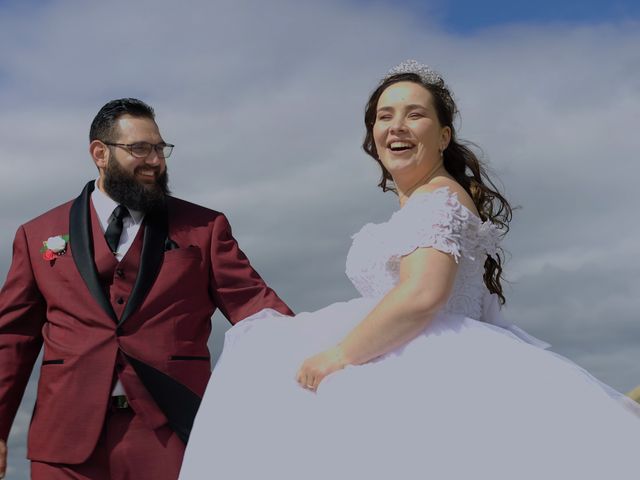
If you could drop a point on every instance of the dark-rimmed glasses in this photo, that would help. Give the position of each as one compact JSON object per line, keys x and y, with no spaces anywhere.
{"x":143,"y":149}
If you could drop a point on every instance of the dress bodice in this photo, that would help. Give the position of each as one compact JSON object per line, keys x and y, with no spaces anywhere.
{"x":434,"y":219}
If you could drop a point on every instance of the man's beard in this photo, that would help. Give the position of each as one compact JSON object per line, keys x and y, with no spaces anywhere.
{"x":125,"y":189}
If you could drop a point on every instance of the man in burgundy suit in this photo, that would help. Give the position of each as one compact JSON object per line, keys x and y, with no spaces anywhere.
{"x":120,"y":285}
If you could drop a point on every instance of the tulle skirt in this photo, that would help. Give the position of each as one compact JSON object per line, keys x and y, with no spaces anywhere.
{"x":465,"y":399}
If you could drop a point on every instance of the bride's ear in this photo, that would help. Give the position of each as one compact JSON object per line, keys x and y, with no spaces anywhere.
{"x":445,"y":138}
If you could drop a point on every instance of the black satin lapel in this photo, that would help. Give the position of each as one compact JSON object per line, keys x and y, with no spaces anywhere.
{"x":155,"y":233}
{"x":81,"y":241}
{"x":177,"y":402}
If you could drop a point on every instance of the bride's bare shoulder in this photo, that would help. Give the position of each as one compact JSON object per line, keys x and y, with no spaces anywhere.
{"x":454,"y":187}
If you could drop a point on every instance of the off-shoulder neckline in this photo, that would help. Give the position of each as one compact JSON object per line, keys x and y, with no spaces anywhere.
{"x":450,"y":193}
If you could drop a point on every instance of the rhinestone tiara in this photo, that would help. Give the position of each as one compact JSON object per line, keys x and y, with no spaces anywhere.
{"x":426,"y":74}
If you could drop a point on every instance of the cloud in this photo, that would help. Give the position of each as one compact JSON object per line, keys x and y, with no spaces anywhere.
{"x":264,"y":101}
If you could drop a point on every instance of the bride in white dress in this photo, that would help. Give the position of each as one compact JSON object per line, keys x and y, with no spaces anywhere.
{"x":420,"y":376}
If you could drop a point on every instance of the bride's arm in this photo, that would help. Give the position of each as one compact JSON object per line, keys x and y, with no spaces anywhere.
{"x":426,"y":280}
{"x":427,"y":276}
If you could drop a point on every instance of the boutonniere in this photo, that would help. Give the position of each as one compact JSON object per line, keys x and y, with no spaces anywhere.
{"x":54,"y":247}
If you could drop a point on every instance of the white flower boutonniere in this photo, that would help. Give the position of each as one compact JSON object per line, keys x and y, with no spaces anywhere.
{"x":56,"y":244}
{"x":54,"y":247}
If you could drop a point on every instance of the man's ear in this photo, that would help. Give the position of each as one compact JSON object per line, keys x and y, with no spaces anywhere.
{"x":100,"y":154}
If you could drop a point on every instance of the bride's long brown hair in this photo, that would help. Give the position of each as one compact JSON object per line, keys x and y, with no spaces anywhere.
{"x":459,"y":160}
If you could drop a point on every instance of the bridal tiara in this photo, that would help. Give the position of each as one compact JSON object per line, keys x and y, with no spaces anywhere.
{"x":426,"y":74}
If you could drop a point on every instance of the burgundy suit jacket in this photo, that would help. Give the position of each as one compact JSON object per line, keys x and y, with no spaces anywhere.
{"x":156,"y":340}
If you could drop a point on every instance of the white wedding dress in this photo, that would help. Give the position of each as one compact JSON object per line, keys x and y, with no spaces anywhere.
{"x":470,"y":397}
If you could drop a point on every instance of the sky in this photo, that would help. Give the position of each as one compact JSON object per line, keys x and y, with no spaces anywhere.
{"x":470,"y":17}
{"x":264,"y":102}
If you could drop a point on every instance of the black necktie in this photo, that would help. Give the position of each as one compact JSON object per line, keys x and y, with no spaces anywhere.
{"x":114,"y":229}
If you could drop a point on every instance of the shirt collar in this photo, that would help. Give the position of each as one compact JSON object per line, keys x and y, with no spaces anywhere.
{"x":104,"y":206}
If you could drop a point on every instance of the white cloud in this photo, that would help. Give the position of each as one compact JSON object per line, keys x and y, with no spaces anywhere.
{"x":264,"y":101}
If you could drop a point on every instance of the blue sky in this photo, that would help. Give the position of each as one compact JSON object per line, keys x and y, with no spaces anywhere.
{"x":468,"y":16}
{"x":264,"y":102}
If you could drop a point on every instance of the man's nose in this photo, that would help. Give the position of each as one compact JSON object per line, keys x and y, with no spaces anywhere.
{"x":154,"y":158}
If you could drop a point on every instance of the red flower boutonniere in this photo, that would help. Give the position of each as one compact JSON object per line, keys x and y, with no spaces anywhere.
{"x":54,"y":247}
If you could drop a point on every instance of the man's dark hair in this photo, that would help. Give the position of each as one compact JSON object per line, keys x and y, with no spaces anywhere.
{"x":104,"y":124}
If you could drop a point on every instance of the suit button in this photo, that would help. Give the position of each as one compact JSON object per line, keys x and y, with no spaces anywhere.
{"x":120,"y":272}
{"x":119,"y":331}
{"x":120,"y":301}
{"x":119,"y":367}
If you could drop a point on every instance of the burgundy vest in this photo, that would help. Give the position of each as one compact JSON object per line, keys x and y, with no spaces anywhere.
{"x":117,"y":280}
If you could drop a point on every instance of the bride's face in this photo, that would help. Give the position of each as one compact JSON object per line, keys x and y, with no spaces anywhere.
{"x":407,"y":132}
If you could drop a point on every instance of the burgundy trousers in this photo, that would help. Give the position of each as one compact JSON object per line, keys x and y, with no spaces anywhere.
{"x":126,"y":450}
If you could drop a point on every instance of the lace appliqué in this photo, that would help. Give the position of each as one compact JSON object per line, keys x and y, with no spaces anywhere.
{"x":434,"y":219}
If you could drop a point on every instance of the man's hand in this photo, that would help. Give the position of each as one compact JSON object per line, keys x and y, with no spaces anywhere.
{"x":314,"y":369}
{"x":3,"y":458}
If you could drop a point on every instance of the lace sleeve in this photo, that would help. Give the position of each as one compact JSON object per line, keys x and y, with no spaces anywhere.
{"x":433,"y":219}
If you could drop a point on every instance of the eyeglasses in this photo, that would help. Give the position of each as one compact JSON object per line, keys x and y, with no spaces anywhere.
{"x":143,"y":149}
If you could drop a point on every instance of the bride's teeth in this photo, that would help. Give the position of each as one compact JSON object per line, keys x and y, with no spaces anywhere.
{"x":400,"y":145}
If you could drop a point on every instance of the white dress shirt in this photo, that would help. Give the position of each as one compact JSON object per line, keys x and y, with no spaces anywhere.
{"x":104,"y":206}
